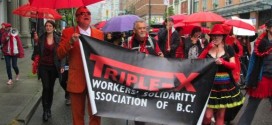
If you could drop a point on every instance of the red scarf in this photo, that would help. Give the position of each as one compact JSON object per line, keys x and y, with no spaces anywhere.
{"x":258,"y":41}
{"x":11,"y":45}
{"x":142,"y":44}
{"x":168,"y":40}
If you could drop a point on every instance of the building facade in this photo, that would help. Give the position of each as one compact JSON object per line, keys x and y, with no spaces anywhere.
{"x":257,"y":10}
{"x":20,"y":23}
{"x":152,"y":10}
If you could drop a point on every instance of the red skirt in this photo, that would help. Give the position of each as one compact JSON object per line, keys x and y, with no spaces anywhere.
{"x":263,"y":90}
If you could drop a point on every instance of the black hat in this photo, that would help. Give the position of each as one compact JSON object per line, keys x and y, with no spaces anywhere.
{"x":268,"y":23}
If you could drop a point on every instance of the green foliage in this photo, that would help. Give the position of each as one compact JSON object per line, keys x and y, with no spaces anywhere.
{"x":169,"y":12}
{"x":67,"y":16}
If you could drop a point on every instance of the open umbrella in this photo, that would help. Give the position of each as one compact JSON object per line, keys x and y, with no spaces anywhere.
{"x":34,"y":12}
{"x":120,"y":23}
{"x":100,"y":25}
{"x":179,"y":18}
{"x":203,"y":17}
{"x":62,"y":4}
{"x":239,"y":24}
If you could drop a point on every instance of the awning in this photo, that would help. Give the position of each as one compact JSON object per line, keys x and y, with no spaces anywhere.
{"x":244,"y":7}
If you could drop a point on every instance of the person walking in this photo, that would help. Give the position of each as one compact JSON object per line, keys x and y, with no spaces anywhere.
{"x":64,"y":78}
{"x":12,"y":49}
{"x":2,"y":31}
{"x":69,"y":46}
{"x":48,"y":65}
{"x":142,"y":42}
{"x":224,"y":93}
{"x":259,"y":75}
{"x":192,"y":44}
{"x":168,"y":38}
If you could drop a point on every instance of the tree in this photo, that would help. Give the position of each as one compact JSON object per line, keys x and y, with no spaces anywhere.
{"x":169,"y":12}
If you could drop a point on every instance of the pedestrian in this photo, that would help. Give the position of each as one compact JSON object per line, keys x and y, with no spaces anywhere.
{"x":12,"y":49}
{"x":49,"y":65}
{"x":192,"y":44}
{"x":142,"y":42}
{"x":259,"y":75}
{"x":64,"y":77}
{"x":77,"y":86}
{"x":32,"y":37}
{"x":2,"y":30}
{"x":180,"y":48}
{"x":224,"y":93}
{"x":168,"y":38}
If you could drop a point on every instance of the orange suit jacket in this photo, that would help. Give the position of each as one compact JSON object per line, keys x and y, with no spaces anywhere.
{"x":76,"y":78}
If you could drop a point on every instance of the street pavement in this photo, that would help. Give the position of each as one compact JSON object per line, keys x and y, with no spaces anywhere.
{"x":20,"y":102}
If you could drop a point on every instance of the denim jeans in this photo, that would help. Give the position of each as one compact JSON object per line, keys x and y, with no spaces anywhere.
{"x":11,"y":60}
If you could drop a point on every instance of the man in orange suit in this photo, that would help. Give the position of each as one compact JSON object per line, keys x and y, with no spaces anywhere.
{"x":77,"y":85}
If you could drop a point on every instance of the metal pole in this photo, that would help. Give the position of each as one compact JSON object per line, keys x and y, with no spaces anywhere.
{"x":149,"y":16}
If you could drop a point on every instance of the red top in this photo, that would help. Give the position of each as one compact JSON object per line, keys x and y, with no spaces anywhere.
{"x":48,"y":55}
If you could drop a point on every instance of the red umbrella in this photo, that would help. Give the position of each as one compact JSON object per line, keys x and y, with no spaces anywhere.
{"x":262,"y":26}
{"x":239,"y":24}
{"x":61,"y":4}
{"x":34,"y":12}
{"x":203,"y":17}
{"x":205,"y":30}
{"x":100,"y":25}
{"x":179,"y":18}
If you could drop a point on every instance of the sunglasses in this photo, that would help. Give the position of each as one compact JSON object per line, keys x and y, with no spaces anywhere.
{"x":83,"y":13}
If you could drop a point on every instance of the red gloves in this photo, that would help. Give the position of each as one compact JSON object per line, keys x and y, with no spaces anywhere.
{"x":205,"y":51}
{"x":227,"y":64}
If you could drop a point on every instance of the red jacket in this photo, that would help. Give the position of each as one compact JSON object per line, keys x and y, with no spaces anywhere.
{"x":76,"y":80}
{"x":8,"y":45}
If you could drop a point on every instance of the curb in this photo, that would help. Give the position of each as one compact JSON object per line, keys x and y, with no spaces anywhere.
{"x":30,"y":108}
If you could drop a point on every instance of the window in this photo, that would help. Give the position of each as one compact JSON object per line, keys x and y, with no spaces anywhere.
{"x":204,"y":5}
{"x":196,"y":5}
{"x":228,"y":2}
{"x":244,"y":0}
{"x":215,"y":3}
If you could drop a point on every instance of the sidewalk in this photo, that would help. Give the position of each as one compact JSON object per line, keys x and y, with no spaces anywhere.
{"x":19,"y":101}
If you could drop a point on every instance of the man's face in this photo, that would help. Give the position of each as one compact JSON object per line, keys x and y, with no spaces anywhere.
{"x":169,"y":24}
{"x":140,"y":29}
{"x":83,"y":17}
{"x":269,"y":29}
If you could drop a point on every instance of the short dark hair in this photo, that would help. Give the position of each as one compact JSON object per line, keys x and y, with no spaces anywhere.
{"x":195,"y":29}
{"x":268,"y":23}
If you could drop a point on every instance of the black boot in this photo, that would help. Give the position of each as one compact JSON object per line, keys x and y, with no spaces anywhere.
{"x":45,"y":116}
{"x":49,"y":114}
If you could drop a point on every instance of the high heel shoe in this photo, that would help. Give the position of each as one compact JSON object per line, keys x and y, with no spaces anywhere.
{"x":45,"y":116}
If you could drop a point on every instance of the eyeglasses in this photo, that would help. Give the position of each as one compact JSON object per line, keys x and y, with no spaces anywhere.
{"x":83,"y":13}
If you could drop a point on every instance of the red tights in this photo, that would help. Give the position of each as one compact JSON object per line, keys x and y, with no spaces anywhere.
{"x":219,"y":116}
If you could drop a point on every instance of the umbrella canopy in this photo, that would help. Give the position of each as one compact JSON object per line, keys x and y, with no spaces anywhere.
{"x":120,"y":23}
{"x":179,"y":18}
{"x":239,"y":24}
{"x":34,"y":12}
{"x":100,"y":25}
{"x":203,"y":17}
{"x":61,"y":4}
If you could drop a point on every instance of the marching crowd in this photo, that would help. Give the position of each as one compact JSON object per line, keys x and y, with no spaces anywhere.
{"x":58,"y":56}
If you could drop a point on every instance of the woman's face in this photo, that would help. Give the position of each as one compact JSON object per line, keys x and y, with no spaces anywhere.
{"x":217,"y":39}
{"x":49,"y":28}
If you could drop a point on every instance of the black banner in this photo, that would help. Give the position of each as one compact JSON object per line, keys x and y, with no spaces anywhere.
{"x":132,"y":85}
